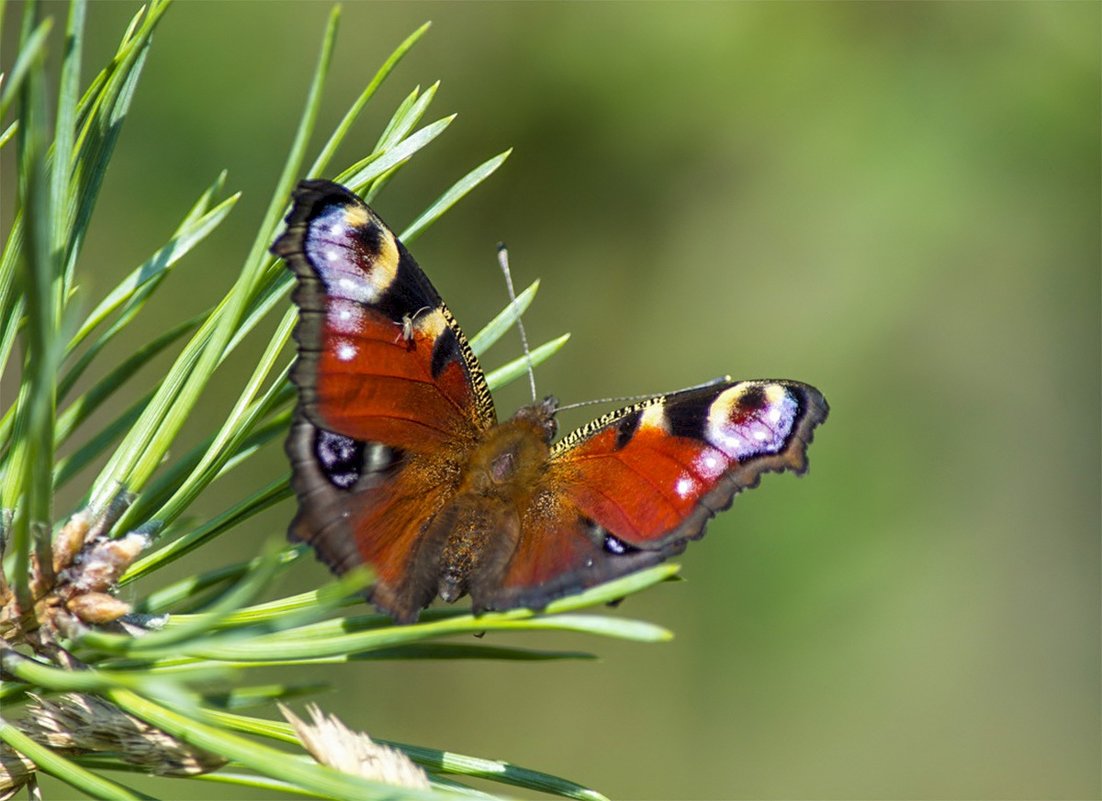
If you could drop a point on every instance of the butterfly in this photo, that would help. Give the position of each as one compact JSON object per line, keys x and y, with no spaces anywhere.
{"x":399,"y":461}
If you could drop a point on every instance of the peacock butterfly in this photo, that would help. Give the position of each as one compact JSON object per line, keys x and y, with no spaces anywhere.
{"x":398,"y":459}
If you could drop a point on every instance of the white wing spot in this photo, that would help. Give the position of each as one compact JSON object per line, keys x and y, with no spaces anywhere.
{"x":345,"y":316}
{"x":358,"y":289}
{"x":377,"y":457}
{"x":685,"y":487}
{"x":346,"y":351}
{"x":710,"y":464}
{"x":336,"y":229}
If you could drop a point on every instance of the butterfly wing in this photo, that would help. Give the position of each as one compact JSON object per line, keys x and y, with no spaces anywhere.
{"x":633,"y":487}
{"x":380,"y":357}
{"x":391,"y":397}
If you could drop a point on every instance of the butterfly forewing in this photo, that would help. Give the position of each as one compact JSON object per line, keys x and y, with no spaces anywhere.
{"x":631,"y":488}
{"x":656,"y":472}
{"x":380,"y":356}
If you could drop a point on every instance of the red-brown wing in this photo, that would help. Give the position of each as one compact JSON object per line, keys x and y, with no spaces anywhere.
{"x":390,"y":395}
{"x":365,"y":503}
{"x":633,"y":487}
{"x":380,"y":358}
{"x":560,"y":552}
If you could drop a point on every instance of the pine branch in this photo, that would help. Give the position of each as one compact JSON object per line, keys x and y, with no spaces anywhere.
{"x":100,"y":684}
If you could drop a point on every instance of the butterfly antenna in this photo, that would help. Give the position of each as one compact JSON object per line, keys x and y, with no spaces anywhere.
{"x":503,"y":260}
{"x":637,"y":398}
{"x":599,"y":401}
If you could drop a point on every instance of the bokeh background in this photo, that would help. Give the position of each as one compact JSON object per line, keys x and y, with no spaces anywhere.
{"x":898,"y":203}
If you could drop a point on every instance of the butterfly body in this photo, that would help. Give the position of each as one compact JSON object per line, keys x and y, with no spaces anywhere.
{"x":471,"y":539}
{"x":399,"y":461}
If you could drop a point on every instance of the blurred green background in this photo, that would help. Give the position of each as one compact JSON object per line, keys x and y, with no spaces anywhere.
{"x":898,"y":203}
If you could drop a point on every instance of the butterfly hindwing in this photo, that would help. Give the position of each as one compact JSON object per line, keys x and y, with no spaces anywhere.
{"x":365,"y":503}
{"x":562,"y":552}
{"x":631,"y":488}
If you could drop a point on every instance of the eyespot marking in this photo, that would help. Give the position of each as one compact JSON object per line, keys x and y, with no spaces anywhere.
{"x":356,"y":216}
{"x":751,"y":418}
{"x":616,"y":546}
{"x":356,"y":287}
{"x":341,"y":458}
